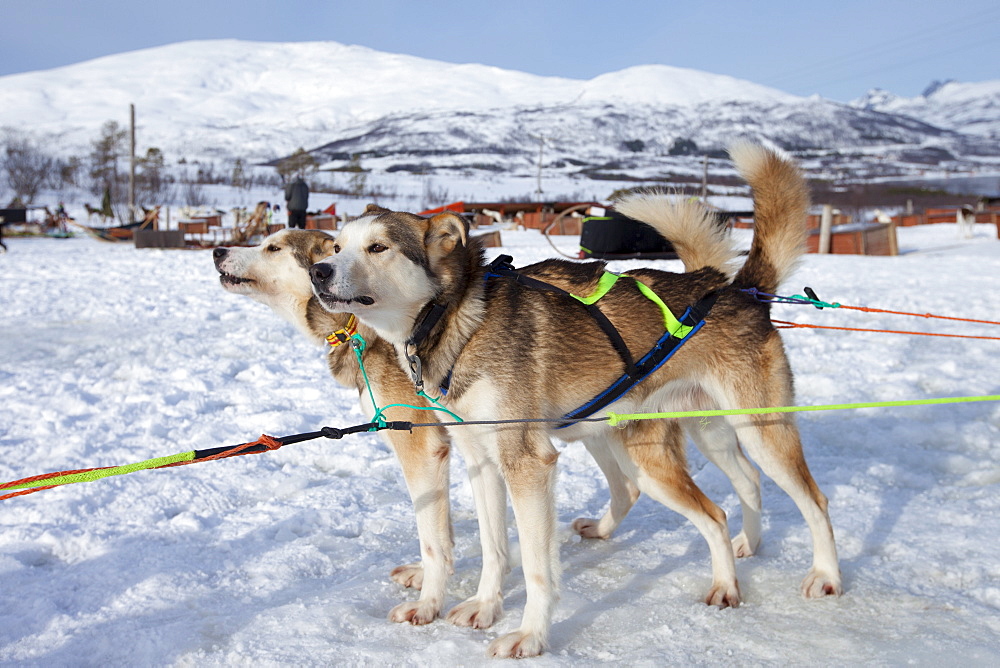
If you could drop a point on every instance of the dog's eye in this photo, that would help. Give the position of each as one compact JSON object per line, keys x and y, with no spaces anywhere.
{"x":273,"y":249}
{"x":336,"y":248}
{"x":377,"y":248}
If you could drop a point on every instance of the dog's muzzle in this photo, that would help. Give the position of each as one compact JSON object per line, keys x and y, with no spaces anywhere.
{"x":219,"y":255}
{"x":227,"y":279}
{"x":320,"y":273}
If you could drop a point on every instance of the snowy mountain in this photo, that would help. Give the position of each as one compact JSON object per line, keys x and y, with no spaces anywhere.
{"x":228,"y":99}
{"x":970,"y":108}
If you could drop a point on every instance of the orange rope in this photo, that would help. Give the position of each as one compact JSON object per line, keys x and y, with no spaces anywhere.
{"x":784,"y":324}
{"x":268,"y":442}
{"x":44,"y":476}
{"x":919,"y":315}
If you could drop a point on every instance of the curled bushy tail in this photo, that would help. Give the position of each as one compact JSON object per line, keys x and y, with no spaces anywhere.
{"x":696,"y":236}
{"x":780,"y":206}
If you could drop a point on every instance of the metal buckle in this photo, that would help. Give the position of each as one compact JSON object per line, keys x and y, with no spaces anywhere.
{"x":416,"y":369}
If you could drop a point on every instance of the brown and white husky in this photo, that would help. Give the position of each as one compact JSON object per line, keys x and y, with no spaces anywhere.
{"x":512,"y":352}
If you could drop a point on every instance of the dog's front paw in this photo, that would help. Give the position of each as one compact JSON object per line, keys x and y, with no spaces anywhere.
{"x":476,"y":613}
{"x":408,"y":575}
{"x":587,"y":527}
{"x":517,"y":645}
{"x":724,"y":595}
{"x":415,"y":612}
{"x":742,"y":547}
{"x":819,"y":584}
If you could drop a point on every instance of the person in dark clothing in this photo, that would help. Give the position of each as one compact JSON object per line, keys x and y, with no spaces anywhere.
{"x":296,"y":201}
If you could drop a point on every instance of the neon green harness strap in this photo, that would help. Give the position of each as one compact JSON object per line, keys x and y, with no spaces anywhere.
{"x":604,"y":285}
{"x":670,"y":323}
{"x":90,"y":476}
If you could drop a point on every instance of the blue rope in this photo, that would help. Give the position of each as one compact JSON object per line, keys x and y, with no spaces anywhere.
{"x":768,"y":298}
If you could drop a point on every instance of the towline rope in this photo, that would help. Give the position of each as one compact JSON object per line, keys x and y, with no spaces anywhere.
{"x":614,"y":419}
{"x":812,"y":300}
{"x":263,"y":444}
{"x":786,"y":324}
{"x":268,"y":443}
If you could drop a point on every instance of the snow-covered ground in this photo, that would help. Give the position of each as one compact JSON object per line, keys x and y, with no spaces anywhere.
{"x":109,"y":355}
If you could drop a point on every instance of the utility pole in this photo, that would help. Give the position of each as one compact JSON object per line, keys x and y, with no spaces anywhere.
{"x":541,"y":148}
{"x":825,"y":229}
{"x":131,"y":164}
{"x":704,"y":179}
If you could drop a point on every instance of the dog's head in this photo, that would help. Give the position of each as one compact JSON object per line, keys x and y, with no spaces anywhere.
{"x":387,"y":265}
{"x":275,"y":271}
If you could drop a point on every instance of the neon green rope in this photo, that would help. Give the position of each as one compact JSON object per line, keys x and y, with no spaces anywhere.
{"x":616,"y":418}
{"x":90,"y":476}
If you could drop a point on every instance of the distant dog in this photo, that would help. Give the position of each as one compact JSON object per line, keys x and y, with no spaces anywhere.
{"x":513,"y":352}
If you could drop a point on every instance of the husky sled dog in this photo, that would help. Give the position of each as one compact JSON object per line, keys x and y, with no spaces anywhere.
{"x":276,"y":273}
{"x":507,"y":351}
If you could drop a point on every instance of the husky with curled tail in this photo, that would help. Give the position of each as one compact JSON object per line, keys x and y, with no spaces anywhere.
{"x":276,"y":273}
{"x":509,"y":350}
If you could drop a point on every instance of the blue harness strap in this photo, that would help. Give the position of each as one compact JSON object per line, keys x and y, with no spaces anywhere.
{"x":658,"y":355}
{"x":678,"y":331}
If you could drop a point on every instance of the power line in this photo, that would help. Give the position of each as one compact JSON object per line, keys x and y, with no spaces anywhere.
{"x":903,"y":44}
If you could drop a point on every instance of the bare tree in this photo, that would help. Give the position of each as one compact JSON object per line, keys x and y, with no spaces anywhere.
{"x":27,"y":167}
{"x":299,"y":163}
{"x":151,"y":182}
{"x":358,"y":181}
{"x":106,"y":179}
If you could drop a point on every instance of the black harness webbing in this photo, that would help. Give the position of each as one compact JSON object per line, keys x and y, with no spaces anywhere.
{"x":432,"y":314}
{"x":662,"y":351}
{"x":635,"y":372}
{"x":501,"y":267}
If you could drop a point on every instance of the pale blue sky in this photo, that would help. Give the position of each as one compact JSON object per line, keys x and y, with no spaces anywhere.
{"x":836,"y":49}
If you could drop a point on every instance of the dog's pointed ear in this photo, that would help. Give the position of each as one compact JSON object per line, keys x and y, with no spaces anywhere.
{"x":445,"y":232}
{"x":323,"y":248}
{"x":374,"y":210}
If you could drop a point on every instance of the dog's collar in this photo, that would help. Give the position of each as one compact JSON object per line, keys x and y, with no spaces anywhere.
{"x":432,"y":314}
{"x":344,"y":335}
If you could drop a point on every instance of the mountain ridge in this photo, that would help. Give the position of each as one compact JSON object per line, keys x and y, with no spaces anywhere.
{"x":228,"y":99}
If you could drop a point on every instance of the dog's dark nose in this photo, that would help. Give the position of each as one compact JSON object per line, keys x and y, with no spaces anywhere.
{"x":220,"y":253}
{"x":320,"y":273}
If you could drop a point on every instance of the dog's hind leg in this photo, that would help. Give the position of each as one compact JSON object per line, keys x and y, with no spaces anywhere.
{"x":424,"y":457}
{"x":773,"y":441}
{"x":717,"y":441}
{"x":490,"y":496}
{"x":623,"y":492}
{"x":528,"y":461}
{"x":656,"y":448}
